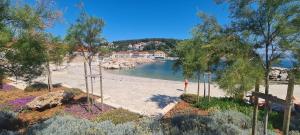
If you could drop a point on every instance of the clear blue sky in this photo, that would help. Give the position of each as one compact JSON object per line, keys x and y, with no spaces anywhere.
{"x":133,"y":19}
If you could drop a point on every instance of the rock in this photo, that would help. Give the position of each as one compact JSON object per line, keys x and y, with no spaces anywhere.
{"x":49,"y":100}
{"x":278,"y":74}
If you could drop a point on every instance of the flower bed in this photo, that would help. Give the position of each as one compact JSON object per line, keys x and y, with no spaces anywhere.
{"x":20,"y":103}
{"x":81,"y":110}
{"x":7,"y":87}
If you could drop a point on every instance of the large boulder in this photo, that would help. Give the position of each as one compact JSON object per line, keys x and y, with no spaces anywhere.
{"x":49,"y":100}
{"x":278,"y":74}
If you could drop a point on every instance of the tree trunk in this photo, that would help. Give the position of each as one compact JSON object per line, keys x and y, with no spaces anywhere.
{"x":91,"y":78}
{"x":50,"y":86}
{"x":266,"y":117}
{"x":204,"y":92}
{"x":87,"y":87}
{"x":101,"y":86}
{"x":209,"y":79}
{"x":1,"y":81}
{"x":289,"y":104}
{"x":198,"y":88}
{"x":255,"y":110}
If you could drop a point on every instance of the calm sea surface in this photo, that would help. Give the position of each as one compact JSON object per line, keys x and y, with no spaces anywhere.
{"x":163,"y":70}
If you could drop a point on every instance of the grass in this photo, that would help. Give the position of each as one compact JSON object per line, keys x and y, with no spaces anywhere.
{"x":225,"y":103}
{"x":118,"y":116}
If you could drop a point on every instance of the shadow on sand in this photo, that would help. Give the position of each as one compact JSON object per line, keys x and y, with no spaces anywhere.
{"x":162,"y":100}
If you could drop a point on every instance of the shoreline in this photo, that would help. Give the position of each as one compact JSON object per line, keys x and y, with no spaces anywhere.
{"x":151,"y":97}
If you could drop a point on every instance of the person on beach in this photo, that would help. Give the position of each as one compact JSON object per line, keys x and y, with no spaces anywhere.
{"x":186,"y":82}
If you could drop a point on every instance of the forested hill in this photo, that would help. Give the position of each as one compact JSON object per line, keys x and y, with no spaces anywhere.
{"x":168,"y":44}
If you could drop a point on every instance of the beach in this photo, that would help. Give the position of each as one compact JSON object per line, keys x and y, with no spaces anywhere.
{"x":151,"y":97}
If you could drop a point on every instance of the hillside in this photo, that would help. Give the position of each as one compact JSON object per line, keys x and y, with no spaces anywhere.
{"x":146,"y":44}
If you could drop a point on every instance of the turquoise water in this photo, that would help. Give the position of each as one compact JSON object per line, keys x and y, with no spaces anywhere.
{"x":157,"y":70}
{"x":163,"y":70}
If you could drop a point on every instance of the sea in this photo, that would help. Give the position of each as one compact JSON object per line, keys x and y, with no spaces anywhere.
{"x":164,"y":70}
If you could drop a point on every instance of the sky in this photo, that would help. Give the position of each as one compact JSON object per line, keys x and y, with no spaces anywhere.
{"x":134,"y":19}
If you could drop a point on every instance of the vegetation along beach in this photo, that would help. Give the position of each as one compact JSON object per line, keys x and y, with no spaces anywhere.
{"x":159,"y":67}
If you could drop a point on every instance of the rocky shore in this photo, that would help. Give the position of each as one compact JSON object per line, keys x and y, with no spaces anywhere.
{"x":278,"y":74}
{"x":125,"y":63}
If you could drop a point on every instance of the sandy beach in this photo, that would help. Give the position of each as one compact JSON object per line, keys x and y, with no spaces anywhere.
{"x":151,"y":97}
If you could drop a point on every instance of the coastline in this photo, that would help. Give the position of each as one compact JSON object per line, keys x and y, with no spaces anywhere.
{"x":148,"y":96}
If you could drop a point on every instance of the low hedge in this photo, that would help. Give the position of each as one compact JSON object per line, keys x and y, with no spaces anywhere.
{"x":118,"y":116}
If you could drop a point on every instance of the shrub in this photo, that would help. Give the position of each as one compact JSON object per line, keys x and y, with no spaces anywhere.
{"x":74,"y":91}
{"x":81,"y":110}
{"x":68,"y":125}
{"x":118,"y":116}
{"x":295,"y":122}
{"x":294,"y":133}
{"x":38,"y":86}
{"x":7,"y":132}
{"x":189,"y":98}
{"x":223,"y":104}
{"x":9,"y":120}
{"x":219,"y":123}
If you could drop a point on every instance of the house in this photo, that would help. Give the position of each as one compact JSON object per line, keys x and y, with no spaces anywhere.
{"x":159,"y":54}
{"x":145,"y":54}
{"x":122,"y":54}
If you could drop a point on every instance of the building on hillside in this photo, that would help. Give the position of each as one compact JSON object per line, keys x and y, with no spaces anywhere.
{"x":122,"y":54}
{"x":159,"y":54}
{"x":146,"y":54}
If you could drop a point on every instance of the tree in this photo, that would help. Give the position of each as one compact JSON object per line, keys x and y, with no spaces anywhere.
{"x":86,"y":33}
{"x":27,"y":24}
{"x":189,"y":60}
{"x":5,"y":37}
{"x":269,"y":25}
{"x":28,"y":55}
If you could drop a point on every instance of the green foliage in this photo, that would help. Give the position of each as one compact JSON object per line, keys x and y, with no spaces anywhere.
{"x":239,"y":78}
{"x":74,"y":91}
{"x":67,"y":125}
{"x":168,"y":47}
{"x":57,"y":51}
{"x":223,"y":104}
{"x":104,"y":51}
{"x":38,"y":86}
{"x":189,"y":98}
{"x":86,"y":33}
{"x":26,"y":58}
{"x":118,"y":116}
{"x":9,"y":120}
{"x":219,"y":123}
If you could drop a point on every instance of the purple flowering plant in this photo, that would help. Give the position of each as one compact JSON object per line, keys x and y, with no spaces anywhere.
{"x":7,"y":87}
{"x":20,"y":103}
{"x":81,"y":110}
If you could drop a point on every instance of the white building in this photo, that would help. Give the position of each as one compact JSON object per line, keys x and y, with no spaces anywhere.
{"x":122,"y":54}
{"x":159,"y":54}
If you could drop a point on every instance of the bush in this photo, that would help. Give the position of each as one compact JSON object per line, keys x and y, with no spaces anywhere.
{"x":38,"y":86}
{"x":295,"y":122}
{"x":118,"y":116}
{"x":9,"y":120}
{"x":189,"y":98}
{"x":223,"y":104}
{"x":67,"y":125}
{"x":74,"y":91}
{"x":7,"y":132}
{"x":294,"y":133}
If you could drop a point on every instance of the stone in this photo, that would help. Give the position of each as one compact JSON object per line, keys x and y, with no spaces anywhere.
{"x":50,"y":100}
{"x":278,"y":74}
